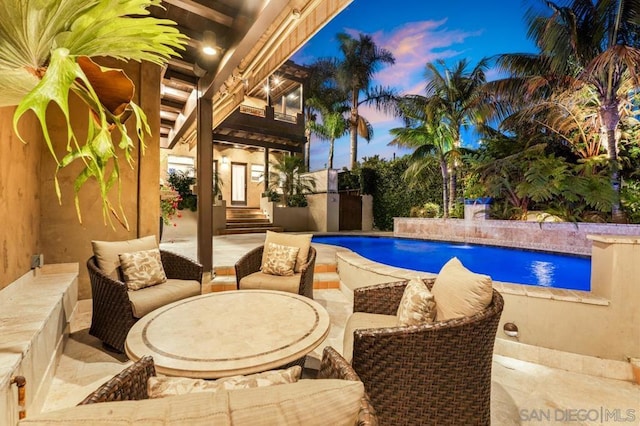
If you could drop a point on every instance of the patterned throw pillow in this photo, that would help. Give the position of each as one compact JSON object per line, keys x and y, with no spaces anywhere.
{"x":160,"y":387}
{"x":142,"y":269}
{"x":279,"y":259}
{"x":417,"y":305}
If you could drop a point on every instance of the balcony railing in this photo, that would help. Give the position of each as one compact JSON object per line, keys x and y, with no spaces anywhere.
{"x":285,"y":117}
{"x":258,"y":112}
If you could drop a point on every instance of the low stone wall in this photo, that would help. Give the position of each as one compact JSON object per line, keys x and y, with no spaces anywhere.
{"x":562,"y":237}
{"x":34,"y":323}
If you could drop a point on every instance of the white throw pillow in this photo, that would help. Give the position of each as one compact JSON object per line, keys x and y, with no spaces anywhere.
{"x":460,"y":292}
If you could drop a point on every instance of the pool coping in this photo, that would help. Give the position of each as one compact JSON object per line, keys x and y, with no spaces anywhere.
{"x":575,"y":296}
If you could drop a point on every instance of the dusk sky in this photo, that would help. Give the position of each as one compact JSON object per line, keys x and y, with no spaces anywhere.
{"x":416,"y":32}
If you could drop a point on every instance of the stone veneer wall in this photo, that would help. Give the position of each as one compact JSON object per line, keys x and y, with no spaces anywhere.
{"x":19,"y":192}
{"x":560,"y":237}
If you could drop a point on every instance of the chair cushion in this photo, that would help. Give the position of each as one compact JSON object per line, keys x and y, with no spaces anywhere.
{"x":142,"y":269}
{"x":363,"y":320}
{"x":148,"y":299}
{"x":107,"y":252}
{"x":307,"y":402}
{"x":279,"y":259}
{"x":160,"y":387}
{"x":302,"y":241}
{"x":198,"y":409}
{"x":417,"y":305}
{"x":460,"y":292}
{"x":260,"y":280}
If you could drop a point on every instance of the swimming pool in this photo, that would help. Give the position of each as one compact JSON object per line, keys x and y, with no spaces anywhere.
{"x":502,"y":264}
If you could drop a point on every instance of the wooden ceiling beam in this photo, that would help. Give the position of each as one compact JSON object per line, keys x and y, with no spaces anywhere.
{"x":219,"y":137}
{"x":202,"y":10}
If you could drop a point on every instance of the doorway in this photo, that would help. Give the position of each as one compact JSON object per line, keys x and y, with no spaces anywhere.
{"x":238,"y":184}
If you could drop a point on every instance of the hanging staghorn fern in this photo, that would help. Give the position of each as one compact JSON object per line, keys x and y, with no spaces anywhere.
{"x":45,"y":51}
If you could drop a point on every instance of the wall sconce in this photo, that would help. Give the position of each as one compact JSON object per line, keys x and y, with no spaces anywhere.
{"x":225,"y":160}
{"x":209,"y":43}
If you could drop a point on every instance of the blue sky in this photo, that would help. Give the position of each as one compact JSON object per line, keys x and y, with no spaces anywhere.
{"x":416,"y":32}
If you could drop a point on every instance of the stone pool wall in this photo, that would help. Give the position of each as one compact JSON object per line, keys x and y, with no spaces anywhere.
{"x":562,"y":237}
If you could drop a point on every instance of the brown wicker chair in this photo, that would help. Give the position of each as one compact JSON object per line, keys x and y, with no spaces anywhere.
{"x":131,"y":383}
{"x":112,"y":312}
{"x":433,"y":374}
{"x":252,"y":261}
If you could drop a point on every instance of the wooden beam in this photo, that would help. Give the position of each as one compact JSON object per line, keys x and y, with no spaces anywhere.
{"x":204,"y":178}
{"x":254,"y":142}
{"x":204,"y":11}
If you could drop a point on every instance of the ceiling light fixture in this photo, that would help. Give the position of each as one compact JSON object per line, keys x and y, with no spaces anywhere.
{"x":209,"y":43}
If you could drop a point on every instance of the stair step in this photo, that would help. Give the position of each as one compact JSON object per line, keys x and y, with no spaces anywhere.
{"x":249,"y":225}
{"x":252,"y":230}
{"x":248,"y":220}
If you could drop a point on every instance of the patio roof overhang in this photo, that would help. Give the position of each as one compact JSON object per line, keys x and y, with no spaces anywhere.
{"x":254,"y":38}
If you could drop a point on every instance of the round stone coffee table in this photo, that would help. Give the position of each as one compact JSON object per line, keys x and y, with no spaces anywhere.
{"x":228,"y":333}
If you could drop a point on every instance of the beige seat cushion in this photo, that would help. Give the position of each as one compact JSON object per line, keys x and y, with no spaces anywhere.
{"x":260,"y":280}
{"x":197,"y":409}
{"x":162,"y":387}
{"x":460,"y":292}
{"x":107,"y":252}
{"x":363,"y":320}
{"x":147,"y":299}
{"x":302,"y":241}
{"x":307,"y":402}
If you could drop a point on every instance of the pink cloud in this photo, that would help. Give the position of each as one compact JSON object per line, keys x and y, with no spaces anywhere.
{"x":413,"y":45}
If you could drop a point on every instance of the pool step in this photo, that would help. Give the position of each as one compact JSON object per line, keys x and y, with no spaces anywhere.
{"x":325,"y":276}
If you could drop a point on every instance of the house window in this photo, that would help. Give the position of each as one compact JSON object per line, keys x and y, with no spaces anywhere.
{"x":257,"y":173}
{"x":176,"y":163}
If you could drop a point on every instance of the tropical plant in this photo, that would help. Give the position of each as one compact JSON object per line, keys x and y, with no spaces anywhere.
{"x":428,"y":136}
{"x":169,"y":200}
{"x":429,"y":210}
{"x":45,"y":51}
{"x":361,"y":59}
{"x":286,"y":175}
{"x":454,"y":97}
{"x":182,"y":182}
{"x":584,"y":45}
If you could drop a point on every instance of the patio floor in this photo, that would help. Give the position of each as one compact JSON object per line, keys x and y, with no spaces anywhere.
{"x":522,"y":392}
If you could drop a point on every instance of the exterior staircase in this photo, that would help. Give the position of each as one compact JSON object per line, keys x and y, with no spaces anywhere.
{"x":247,"y":220}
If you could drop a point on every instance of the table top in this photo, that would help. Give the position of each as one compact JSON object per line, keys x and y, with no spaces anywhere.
{"x":229,"y":333}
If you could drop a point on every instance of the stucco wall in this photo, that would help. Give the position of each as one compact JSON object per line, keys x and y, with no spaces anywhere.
{"x":19,"y":195}
{"x":64,"y":238}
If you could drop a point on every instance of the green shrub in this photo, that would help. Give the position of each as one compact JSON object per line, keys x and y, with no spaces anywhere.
{"x":181,"y":182}
{"x":428,"y":210}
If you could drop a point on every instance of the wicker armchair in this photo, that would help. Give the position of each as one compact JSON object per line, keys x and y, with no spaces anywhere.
{"x":433,"y":374}
{"x":113,"y":316}
{"x":131,"y":383}
{"x":252,"y":261}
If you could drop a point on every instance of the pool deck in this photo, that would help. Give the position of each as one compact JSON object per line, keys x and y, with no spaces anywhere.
{"x":521,"y":390}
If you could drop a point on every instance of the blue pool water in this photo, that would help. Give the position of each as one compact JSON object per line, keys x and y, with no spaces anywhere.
{"x":502,"y":264}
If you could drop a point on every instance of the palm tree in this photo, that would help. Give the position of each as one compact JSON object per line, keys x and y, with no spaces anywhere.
{"x":286,"y":175}
{"x":427,"y":139}
{"x":455,"y":96}
{"x":585,"y":44}
{"x":333,"y":124}
{"x":322,"y":92}
{"x":362,"y":58}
